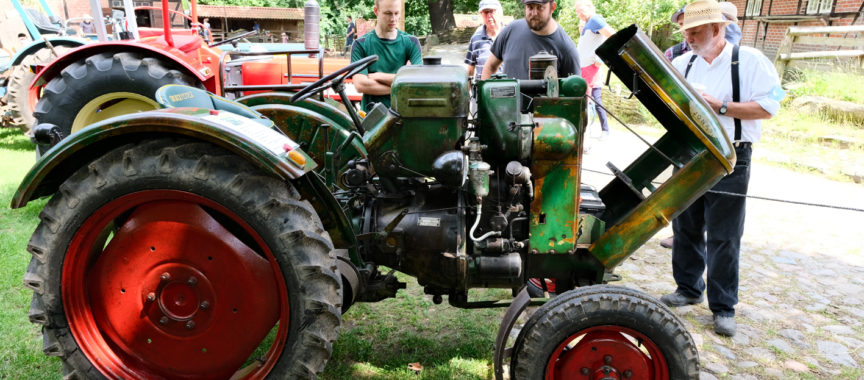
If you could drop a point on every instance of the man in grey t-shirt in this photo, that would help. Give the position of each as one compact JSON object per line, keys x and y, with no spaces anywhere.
{"x":526,"y":37}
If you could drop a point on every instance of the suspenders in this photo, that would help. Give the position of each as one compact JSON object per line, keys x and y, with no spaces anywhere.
{"x":736,"y":85}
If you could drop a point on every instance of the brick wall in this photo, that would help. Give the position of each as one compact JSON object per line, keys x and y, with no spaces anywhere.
{"x":767,"y":37}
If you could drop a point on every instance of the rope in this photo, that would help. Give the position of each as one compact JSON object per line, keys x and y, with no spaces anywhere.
{"x":812,"y":204}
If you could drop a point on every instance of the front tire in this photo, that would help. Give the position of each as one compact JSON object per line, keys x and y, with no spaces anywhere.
{"x":172,"y":258}
{"x":589,"y":330}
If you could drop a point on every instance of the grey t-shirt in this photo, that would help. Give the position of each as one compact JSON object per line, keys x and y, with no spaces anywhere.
{"x":517,"y":43}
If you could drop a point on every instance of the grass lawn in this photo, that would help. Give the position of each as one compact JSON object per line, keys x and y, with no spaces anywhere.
{"x":21,"y":354}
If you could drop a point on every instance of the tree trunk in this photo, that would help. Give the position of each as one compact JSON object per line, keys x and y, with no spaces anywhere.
{"x":441,"y":16}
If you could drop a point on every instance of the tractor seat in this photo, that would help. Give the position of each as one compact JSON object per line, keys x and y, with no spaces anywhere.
{"x":175,"y":95}
{"x":374,"y":116}
{"x":42,"y":22}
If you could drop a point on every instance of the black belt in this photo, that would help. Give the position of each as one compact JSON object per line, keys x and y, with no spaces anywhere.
{"x":742,"y":144}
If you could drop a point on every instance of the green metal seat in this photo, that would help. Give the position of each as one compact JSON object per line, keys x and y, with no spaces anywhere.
{"x":175,"y":95}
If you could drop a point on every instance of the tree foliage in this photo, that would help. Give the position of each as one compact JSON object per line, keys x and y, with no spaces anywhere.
{"x":648,"y":15}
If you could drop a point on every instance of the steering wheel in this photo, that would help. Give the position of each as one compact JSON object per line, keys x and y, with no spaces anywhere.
{"x":333,"y":79}
{"x":232,"y":40}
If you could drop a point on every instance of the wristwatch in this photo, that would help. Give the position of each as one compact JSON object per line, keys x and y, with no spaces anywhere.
{"x":723,"y":108}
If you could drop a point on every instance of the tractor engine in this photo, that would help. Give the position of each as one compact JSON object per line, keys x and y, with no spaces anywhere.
{"x":453,"y":199}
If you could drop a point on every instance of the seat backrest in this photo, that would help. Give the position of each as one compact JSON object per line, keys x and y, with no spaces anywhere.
{"x":42,"y":22}
{"x":175,"y":95}
{"x":378,"y":112}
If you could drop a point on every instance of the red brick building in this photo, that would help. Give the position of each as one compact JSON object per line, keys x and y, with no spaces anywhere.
{"x":764,"y":22}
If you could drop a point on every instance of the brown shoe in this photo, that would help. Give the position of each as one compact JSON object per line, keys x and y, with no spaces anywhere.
{"x":667,"y":242}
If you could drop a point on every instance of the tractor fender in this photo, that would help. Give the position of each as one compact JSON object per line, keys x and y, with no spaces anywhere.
{"x":271,"y":151}
{"x":35,"y":46}
{"x":203,"y":73}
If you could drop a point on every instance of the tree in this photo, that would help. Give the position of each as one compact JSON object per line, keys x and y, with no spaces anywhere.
{"x":441,"y":15}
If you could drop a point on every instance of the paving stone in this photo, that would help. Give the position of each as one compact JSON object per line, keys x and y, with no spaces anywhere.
{"x":784,"y":260}
{"x":706,"y":376}
{"x":765,"y":297}
{"x":760,"y":354}
{"x":743,"y":377}
{"x":741,"y":339}
{"x":816,"y":307}
{"x":781,"y":345}
{"x":716,"y":368}
{"x":836,"y":353}
{"x":839,"y":329}
{"x":774,"y":373}
{"x":726,"y":352}
{"x":795,"y":366}
{"x":747,"y":364}
{"x":795,"y":336}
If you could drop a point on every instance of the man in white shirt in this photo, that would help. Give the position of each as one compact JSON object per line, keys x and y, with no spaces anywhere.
{"x":709,"y":67}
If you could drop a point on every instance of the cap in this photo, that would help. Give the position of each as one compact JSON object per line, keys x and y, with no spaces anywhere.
{"x":675,"y":15}
{"x":730,"y":11}
{"x":489,"y":4}
{"x":536,"y":1}
{"x":86,"y":17}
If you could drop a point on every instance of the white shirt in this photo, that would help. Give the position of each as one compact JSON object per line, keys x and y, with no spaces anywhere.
{"x":758,"y":80}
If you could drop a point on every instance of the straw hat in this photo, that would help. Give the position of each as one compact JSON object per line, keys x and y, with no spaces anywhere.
{"x":701,"y":12}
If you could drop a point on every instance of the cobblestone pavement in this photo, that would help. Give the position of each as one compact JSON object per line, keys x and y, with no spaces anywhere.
{"x":801,"y":298}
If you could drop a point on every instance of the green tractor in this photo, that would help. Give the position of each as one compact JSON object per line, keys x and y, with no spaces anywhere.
{"x":220,"y":239}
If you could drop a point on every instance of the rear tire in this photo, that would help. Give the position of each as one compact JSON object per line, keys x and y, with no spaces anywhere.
{"x":577,"y":330}
{"x":103,"y":86}
{"x":19,"y":87}
{"x":258,"y":253}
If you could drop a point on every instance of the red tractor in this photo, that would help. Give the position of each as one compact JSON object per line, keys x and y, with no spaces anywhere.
{"x":107,"y":79}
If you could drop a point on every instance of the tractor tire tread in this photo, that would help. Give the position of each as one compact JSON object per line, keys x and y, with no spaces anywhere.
{"x":560,"y":312}
{"x":311,"y":259}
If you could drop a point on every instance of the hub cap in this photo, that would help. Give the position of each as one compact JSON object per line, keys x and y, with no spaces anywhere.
{"x":607,"y":353}
{"x":174,"y":292}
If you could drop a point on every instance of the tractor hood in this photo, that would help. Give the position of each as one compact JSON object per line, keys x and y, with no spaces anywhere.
{"x":665,"y":93}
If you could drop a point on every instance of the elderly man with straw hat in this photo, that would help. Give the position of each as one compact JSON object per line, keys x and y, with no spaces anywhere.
{"x":741,"y":86}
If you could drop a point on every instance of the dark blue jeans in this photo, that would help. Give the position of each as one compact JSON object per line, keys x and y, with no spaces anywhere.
{"x":722,"y":218}
{"x":596,"y":93}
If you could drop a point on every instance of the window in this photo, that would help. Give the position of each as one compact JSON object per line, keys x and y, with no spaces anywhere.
{"x":819,"y":6}
{"x":754,"y":8}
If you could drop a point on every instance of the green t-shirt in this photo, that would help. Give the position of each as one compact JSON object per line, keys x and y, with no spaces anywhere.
{"x":392,"y":54}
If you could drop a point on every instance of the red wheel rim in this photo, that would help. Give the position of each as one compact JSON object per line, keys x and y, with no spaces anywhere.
{"x":607,"y":352}
{"x":174,"y":293}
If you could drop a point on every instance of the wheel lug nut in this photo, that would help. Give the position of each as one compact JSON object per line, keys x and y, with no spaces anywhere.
{"x":192,"y":281}
{"x":163,"y":321}
{"x":627,"y":374}
{"x":204,"y":305}
{"x":190,"y":325}
{"x":607,"y":359}
{"x":151,"y":297}
{"x":165,"y":276}
{"x":585,"y":371}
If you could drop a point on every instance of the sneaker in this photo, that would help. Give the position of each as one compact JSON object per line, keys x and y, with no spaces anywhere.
{"x":667,"y":242}
{"x":724,"y":325}
{"x":677,"y":299}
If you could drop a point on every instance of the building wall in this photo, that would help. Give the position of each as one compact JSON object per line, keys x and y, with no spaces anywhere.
{"x":767,"y":35}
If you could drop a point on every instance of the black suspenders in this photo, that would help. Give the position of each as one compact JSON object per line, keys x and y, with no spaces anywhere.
{"x":736,"y":85}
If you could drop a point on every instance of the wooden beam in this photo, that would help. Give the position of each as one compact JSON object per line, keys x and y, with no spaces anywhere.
{"x":823,"y":54}
{"x":831,"y":41}
{"x":801,"y":30}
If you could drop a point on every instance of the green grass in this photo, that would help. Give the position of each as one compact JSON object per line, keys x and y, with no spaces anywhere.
{"x":21,"y":354}
{"x":836,"y":85}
